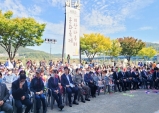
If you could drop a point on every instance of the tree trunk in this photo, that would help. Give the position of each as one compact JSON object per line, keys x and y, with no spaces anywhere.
{"x":128,"y":58}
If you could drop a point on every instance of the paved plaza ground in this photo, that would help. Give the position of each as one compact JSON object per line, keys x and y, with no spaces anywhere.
{"x":137,"y":101}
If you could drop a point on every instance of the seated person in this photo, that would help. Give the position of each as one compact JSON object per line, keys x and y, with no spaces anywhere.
{"x":4,"y":95}
{"x":147,"y":77}
{"x":53,"y":84}
{"x":149,"y":80}
{"x":78,"y":80}
{"x":136,"y":76}
{"x":37,"y":86}
{"x":66,"y":81}
{"x":89,"y":80}
{"x":105,"y":77}
{"x":128,"y":78}
{"x":9,"y":76}
{"x":20,"y":94}
{"x":118,"y":79}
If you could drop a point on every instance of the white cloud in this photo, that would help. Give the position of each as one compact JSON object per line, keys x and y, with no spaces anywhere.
{"x":15,"y":6}
{"x":35,"y":10}
{"x":105,"y":16}
{"x":109,"y":16}
{"x":145,"y":28}
{"x":56,"y":3}
{"x":20,"y":10}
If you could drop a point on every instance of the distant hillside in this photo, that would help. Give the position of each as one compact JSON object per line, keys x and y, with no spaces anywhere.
{"x":154,"y":45}
{"x":36,"y":54}
{"x":30,"y":53}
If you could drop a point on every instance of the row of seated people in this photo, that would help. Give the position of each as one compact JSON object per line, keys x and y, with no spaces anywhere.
{"x":20,"y":91}
{"x":75,"y":84}
{"x":133,"y":79}
{"x":70,"y":85}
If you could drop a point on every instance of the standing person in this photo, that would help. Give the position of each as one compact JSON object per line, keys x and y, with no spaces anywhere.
{"x":37,"y":86}
{"x":153,"y":65}
{"x":53,"y":84}
{"x":4,"y":95}
{"x":50,"y":63}
{"x":156,"y":78}
{"x":66,"y":81}
{"x":6,"y":63}
{"x":68,"y":58}
{"x":20,"y":94}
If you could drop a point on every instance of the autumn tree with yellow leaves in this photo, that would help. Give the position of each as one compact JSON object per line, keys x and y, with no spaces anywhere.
{"x":115,"y":49}
{"x":147,"y":53}
{"x":94,"y":43}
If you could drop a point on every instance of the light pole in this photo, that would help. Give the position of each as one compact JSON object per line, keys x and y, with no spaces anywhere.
{"x":50,"y":41}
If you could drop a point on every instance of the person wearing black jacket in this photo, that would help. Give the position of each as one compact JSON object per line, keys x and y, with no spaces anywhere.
{"x":37,"y":86}
{"x":4,"y":95}
{"x":118,"y":79}
{"x":146,"y":76}
{"x":135,"y":75}
{"x":123,"y":78}
{"x":53,"y":84}
{"x":20,"y":94}
{"x":91,"y":83}
{"x":155,"y":77}
{"x":128,"y":74}
{"x":67,"y":82}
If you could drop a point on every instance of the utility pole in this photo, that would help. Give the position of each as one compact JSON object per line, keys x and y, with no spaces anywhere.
{"x":50,"y":41}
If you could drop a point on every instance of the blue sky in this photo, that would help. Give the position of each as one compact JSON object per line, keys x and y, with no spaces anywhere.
{"x":113,"y":18}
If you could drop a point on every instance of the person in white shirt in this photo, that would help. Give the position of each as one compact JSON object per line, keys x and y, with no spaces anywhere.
{"x":67,"y":82}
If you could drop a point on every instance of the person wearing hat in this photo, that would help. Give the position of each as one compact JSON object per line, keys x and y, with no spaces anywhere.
{"x":20,"y":94}
{"x":53,"y":84}
{"x":66,"y":81}
{"x":4,"y":95}
{"x":37,"y":86}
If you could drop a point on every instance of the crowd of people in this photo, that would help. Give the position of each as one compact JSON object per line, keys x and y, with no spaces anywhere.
{"x":82,"y":80}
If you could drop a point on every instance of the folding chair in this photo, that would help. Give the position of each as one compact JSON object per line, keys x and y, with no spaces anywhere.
{"x":34,"y":101}
{"x":100,"y":86}
{"x":111,"y":85}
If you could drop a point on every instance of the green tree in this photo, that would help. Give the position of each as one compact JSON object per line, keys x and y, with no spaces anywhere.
{"x":130,"y":46}
{"x":19,"y":32}
{"x":91,"y":44}
{"x":147,"y":53}
{"x":115,"y":49}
